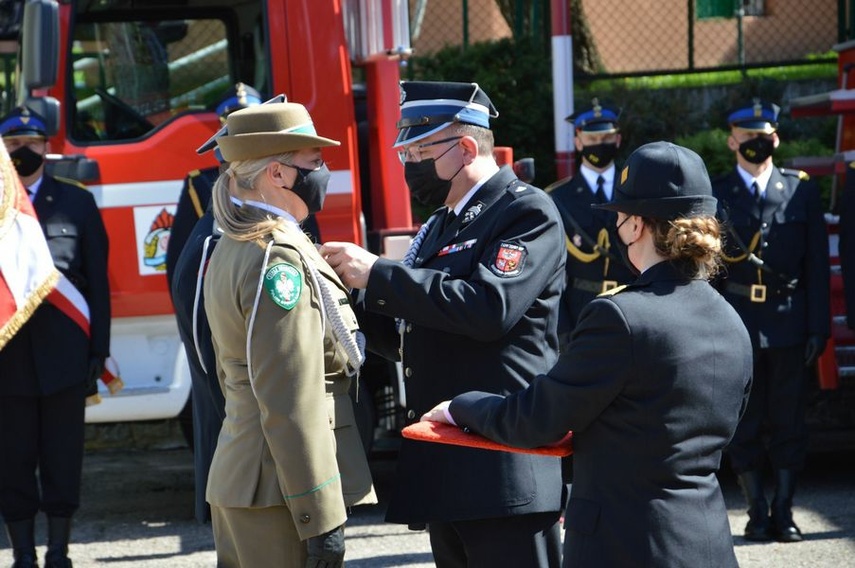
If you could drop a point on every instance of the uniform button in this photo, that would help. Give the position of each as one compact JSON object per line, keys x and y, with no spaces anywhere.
{"x":409,"y":327}
{"x":305,"y":519}
{"x":408,"y":371}
{"x":381,"y":302}
{"x":765,"y":245}
{"x":64,"y":230}
{"x":411,"y":414}
{"x":764,"y":225}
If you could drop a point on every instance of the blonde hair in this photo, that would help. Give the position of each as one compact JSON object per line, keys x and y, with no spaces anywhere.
{"x":693,"y":242}
{"x":244,"y":223}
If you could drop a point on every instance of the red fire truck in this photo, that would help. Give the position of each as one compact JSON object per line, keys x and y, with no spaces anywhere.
{"x":130,"y":86}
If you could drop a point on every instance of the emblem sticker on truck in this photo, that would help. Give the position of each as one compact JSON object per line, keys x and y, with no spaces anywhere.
{"x":153,"y":226}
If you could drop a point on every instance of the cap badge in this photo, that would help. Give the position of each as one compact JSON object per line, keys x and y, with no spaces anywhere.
{"x":284,"y":284}
{"x":598,"y":110}
{"x":758,"y":108}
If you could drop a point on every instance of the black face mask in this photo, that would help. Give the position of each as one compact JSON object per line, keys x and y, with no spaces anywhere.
{"x":425,"y":184}
{"x":26,"y":161}
{"x":600,"y":155}
{"x":311,"y":186}
{"x":623,"y":248}
{"x":757,"y":150}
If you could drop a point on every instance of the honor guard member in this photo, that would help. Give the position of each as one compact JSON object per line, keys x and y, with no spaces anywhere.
{"x":592,"y":265}
{"x":777,"y":278}
{"x":473,"y":305}
{"x":652,"y":384}
{"x":289,"y":458}
{"x":51,"y":363}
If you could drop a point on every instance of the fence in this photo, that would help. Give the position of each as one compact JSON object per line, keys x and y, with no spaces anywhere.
{"x":648,"y":37}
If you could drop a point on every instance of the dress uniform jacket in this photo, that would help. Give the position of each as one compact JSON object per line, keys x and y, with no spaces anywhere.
{"x":586,"y":270}
{"x":50,"y":352}
{"x":192,"y":204}
{"x":473,"y":325}
{"x":793,"y":243}
{"x":652,"y":386}
{"x":289,"y":436}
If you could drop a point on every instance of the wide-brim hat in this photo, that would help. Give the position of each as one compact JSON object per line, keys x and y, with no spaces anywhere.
{"x":267,"y":130}
{"x":211,"y":143}
{"x":430,"y":106}
{"x":663,"y":181}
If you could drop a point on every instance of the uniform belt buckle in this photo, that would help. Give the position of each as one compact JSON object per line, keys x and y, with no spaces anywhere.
{"x":758,"y":293}
{"x":609,"y":285}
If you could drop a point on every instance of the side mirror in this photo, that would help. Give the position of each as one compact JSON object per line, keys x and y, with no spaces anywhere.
{"x":39,"y":46}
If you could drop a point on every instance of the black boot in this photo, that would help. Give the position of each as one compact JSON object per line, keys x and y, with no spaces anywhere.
{"x":59,"y":531}
{"x":758,"y":527}
{"x":22,"y":538}
{"x":783,"y":527}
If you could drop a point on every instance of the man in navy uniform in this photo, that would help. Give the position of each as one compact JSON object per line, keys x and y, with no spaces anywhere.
{"x":777,"y":279}
{"x":473,"y":306}
{"x":592,"y":268}
{"x":50,"y":365}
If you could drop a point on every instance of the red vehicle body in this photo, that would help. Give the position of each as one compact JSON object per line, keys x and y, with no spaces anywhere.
{"x":135,"y":85}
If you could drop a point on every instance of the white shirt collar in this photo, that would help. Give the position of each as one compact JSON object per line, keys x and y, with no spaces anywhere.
{"x":591,"y":178}
{"x":462,"y":203}
{"x":762,"y":180}
{"x":34,"y":189}
{"x":272,"y":209}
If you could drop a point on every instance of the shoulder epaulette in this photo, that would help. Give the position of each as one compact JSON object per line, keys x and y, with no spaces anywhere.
{"x":801,"y":174}
{"x":70,"y":181}
{"x":557,"y":184}
{"x":194,"y":173}
{"x":613,"y":291}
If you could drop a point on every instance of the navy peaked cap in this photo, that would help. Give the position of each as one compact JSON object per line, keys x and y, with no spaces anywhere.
{"x":429,"y":106}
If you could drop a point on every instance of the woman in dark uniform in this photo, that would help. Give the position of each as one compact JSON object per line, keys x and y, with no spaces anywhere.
{"x":652,"y":385}
{"x":289,"y":460}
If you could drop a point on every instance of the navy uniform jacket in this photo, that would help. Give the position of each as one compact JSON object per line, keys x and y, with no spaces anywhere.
{"x":473,"y":325}
{"x":50,"y":352}
{"x":846,"y":230}
{"x":653,"y":385}
{"x":574,"y":198}
{"x":192,"y":204}
{"x":793,"y":242}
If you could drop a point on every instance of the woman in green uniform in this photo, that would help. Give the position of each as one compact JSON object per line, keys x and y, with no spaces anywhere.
{"x":289,"y":460}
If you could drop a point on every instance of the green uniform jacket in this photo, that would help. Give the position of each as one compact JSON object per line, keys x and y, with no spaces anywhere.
{"x":289,"y":436}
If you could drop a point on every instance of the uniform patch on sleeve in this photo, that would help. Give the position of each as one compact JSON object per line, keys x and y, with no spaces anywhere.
{"x":283,"y":283}
{"x":509,"y":260}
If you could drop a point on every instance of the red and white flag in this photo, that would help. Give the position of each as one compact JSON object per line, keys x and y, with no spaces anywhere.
{"x":27,"y":272}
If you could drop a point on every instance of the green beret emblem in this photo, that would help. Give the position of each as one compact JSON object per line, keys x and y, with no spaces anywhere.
{"x":283,"y":283}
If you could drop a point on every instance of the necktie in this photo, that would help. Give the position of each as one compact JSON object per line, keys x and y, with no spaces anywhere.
{"x":758,"y":195}
{"x":601,"y":193}
{"x":449,"y":219}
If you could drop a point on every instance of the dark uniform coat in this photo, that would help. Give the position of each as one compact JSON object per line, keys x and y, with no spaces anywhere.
{"x":289,"y":437}
{"x":846,"y":230}
{"x":652,"y":386}
{"x":788,"y":232}
{"x":793,"y":242}
{"x":587,"y":269}
{"x":481,"y":313}
{"x":44,"y":368}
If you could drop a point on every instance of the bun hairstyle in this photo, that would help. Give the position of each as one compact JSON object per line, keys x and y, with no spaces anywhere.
{"x":694,"y":243}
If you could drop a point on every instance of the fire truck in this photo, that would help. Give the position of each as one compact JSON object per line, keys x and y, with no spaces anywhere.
{"x":128,"y":88}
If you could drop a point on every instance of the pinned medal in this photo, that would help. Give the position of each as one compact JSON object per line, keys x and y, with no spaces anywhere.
{"x":472,"y":212}
{"x":509,"y":259}
{"x":284,"y":284}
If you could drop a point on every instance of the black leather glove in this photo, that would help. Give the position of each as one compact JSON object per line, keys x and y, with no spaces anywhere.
{"x":813,"y":349}
{"x":96,"y":369}
{"x":326,"y":550}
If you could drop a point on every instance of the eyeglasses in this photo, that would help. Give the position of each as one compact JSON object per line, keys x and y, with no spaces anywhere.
{"x":414,"y":153}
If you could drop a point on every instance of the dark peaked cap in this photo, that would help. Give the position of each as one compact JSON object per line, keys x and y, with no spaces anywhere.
{"x":429,"y":106}
{"x":663,"y":181}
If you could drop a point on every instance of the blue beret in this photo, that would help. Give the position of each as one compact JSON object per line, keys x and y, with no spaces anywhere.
{"x":596,"y":118}
{"x":238,"y":97}
{"x":759,"y":116}
{"x":429,"y":106}
{"x":23,"y":122}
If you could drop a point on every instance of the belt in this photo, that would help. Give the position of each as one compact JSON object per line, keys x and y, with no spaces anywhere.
{"x":755,"y":292}
{"x":597,"y":286}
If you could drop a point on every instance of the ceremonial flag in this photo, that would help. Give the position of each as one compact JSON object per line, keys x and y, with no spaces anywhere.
{"x":27,"y":272}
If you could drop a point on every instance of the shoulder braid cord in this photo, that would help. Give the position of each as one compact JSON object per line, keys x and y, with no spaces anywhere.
{"x":200,"y":273}
{"x":352,"y":344}
{"x":410,"y":259}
